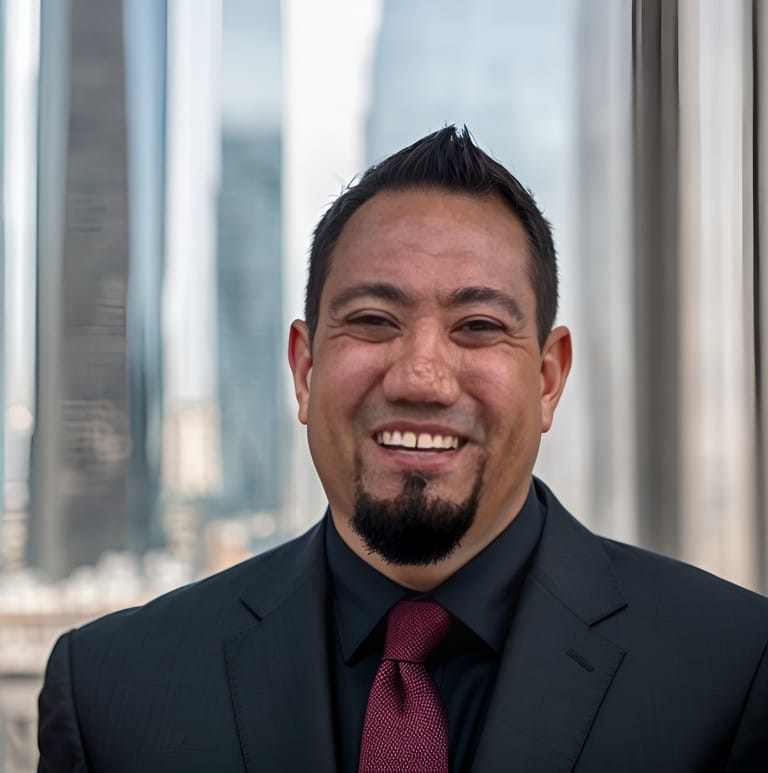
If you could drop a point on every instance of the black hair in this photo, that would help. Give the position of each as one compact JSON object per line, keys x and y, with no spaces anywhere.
{"x":448,"y":160}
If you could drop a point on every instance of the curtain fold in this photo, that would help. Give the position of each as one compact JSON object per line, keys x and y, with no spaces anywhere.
{"x":656,"y":271}
{"x":700,"y":286}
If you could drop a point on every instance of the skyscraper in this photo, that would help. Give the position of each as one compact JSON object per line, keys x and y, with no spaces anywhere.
{"x":501,"y":66}
{"x":250,"y":351}
{"x":249,"y":262}
{"x":146,"y":76}
{"x":82,"y":438}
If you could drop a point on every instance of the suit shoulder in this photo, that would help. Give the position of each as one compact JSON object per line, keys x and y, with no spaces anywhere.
{"x":594,"y":574}
{"x":644,"y":573}
{"x":208,"y":602}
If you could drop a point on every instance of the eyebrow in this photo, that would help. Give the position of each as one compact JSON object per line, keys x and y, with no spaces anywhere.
{"x":463,"y":296}
{"x":382,"y":290}
{"x":467,"y":295}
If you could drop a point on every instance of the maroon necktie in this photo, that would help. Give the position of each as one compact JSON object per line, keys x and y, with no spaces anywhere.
{"x":405,"y":729}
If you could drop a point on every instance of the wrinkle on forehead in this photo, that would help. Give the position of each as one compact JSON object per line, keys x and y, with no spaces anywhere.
{"x":422,"y":215}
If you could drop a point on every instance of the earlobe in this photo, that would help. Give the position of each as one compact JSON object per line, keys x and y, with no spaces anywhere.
{"x":300,"y":361}
{"x":556,"y":359}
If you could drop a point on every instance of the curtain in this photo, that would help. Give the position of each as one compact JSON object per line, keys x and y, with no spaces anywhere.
{"x":699,"y":291}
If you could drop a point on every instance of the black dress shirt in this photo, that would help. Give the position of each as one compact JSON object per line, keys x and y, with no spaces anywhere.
{"x":481,"y":597}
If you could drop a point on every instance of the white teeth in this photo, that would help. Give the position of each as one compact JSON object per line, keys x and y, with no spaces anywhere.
{"x":423,"y":440}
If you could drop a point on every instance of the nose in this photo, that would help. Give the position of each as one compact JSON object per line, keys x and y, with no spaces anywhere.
{"x":422,"y":370}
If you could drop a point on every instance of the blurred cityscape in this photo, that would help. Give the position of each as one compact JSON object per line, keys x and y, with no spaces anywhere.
{"x":163,"y":165}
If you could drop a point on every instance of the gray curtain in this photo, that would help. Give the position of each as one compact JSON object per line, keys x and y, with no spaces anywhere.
{"x":699,"y":81}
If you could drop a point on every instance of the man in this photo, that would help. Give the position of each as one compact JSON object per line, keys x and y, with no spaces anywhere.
{"x":425,"y":373}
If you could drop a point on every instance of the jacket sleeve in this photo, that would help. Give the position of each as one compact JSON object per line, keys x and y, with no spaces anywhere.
{"x":749,"y":752}
{"x":61,"y":748}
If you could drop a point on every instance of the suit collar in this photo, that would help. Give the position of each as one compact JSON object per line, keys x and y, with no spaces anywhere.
{"x":278,"y":668}
{"x":569,"y":560}
{"x":572,"y":564}
{"x":482,"y":594}
{"x":282,"y":572}
{"x":556,"y":666}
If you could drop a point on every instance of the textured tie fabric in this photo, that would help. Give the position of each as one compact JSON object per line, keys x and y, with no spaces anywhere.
{"x":405,"y":729}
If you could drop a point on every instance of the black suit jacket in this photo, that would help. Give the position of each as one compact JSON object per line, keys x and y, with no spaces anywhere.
{"x":617,"y":660}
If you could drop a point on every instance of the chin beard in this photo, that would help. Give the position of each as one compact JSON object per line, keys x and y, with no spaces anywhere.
{"x":413,"y":529}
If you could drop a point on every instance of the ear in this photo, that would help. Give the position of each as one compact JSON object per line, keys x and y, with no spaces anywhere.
{"x":556,"y":358}
{"x":300,"y":360}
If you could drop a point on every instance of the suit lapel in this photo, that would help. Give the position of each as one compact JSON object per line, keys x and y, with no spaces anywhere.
{"x":556,"y":667}
{"x":278,"y":668}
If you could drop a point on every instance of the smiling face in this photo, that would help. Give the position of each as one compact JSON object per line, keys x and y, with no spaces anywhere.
{"x":425,"y":366}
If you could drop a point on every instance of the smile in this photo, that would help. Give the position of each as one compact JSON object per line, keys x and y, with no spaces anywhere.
{"x":423,"y":441}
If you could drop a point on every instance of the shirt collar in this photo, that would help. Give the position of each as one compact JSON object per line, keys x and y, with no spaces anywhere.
{"x":482,"y":594}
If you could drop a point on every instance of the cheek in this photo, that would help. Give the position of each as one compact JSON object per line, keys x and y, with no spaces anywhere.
{"x":499,"y":388}
{"x":339,"y":390}
{"x":510,"y":406}
{"x":352,"y":371}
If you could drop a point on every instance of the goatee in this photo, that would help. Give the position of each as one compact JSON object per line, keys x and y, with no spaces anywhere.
{"x":413,"y":529}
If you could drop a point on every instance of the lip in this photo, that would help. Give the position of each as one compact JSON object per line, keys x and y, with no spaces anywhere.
{"x":423,"y":460}
{"x":449,"y":440}
{"x":419,"y":427}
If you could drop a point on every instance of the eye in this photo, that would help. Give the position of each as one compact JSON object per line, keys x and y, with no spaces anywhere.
{"x":480,"y":326}
{"x":372,"y":327}
{"x":478,"y":331}
{"x":371,"y":320}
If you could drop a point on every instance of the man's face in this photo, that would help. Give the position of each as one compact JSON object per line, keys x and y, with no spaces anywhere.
{"x":425,"y":369}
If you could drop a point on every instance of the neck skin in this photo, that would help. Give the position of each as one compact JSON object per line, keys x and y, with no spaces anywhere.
{"x":483,"y":531}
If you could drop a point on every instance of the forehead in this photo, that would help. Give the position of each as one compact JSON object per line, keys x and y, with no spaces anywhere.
{"x":433,"y":238}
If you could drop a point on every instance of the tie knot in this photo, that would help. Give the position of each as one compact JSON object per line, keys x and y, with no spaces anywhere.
{"x":414,"y":630}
